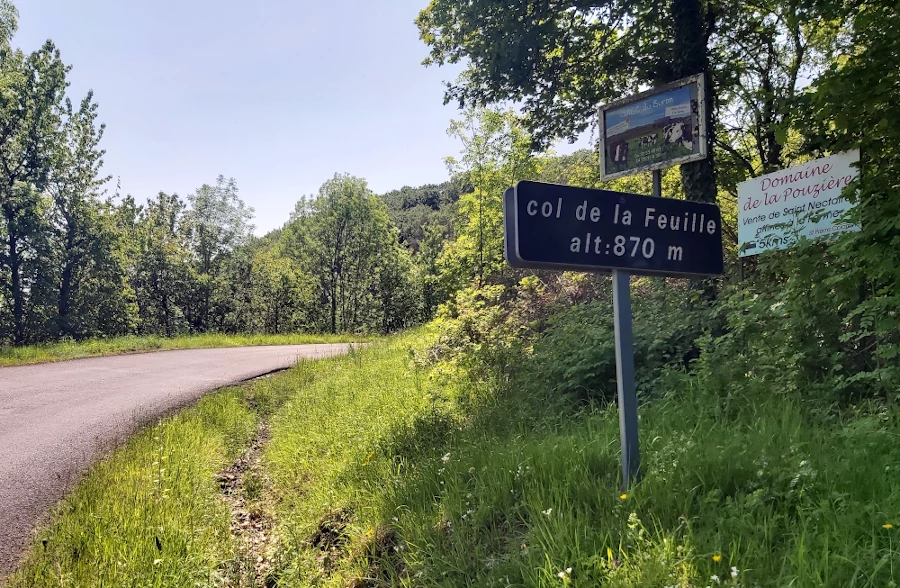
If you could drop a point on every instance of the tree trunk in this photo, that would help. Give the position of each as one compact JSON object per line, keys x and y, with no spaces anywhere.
{"x":15,"y":268}
{"x":167,"y":315}
{"x":65,"y":286}
{"x":64,"y":306}
{"x":691,"y":57}
{"x":333,"y":303}
{"x":692,"y":29}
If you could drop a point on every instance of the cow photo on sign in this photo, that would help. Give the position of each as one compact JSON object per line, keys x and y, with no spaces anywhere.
{"x":653,"y":130}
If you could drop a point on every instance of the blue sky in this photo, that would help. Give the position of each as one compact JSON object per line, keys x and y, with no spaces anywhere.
{"x":279,"y":95}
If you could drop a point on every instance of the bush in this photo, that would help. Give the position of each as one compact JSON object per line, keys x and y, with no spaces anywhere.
{"x":803,"y":322}
{"x":576,"y":354}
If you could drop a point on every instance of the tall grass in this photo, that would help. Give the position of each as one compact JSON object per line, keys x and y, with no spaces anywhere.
{"x":133,"y":344}
{"x":411,"y":486}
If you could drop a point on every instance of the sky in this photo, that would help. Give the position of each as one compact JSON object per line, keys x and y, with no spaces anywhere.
{"x":279,"y":95}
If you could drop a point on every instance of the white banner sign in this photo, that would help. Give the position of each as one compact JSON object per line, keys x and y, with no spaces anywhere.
{"x":680,"y":110}
{"x":802,"y":201}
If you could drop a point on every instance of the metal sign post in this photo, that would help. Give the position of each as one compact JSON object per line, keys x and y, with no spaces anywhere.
{"x":565,"y":228}
{"x":628,"y":423}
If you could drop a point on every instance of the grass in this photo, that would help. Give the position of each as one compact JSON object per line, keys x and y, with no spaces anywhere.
{"x":387,"y":475}
{"x":134,"y":344}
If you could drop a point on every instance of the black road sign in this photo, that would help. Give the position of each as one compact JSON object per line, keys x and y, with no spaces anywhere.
{"x":509,"y":228}
{"x":558,"y":227}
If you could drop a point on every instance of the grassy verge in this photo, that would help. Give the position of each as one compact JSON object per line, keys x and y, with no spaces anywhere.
{"x":385,"y":475}
{"x":133,"y":344}
{"x":389,"y":478}
{"x":153,"y":512}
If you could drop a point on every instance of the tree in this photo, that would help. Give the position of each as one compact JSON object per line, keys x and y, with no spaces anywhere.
{"x":344,"y":240}
{"x":411,"y":209}
{"x":8,"y":23}
{"x":426,"y":259}
{"x":852,"y":106}
{"x":561,"y":59}
{"x":31,"y":92}
{"x":767,"y":58}
{"x":280,"y":292}
{"x":216,"y":223}
{"x":74,"y":183}
{"x":496,"y":154}
{"x":162,"y":276}
{"x":399,"y":293}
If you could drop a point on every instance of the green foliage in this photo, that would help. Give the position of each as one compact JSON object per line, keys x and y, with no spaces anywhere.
{"x":8,"y":23}
{"x":91,"y":297}
{"x":69,"y":349}
{"x":424,"y":219}
{"x":73,"y":266}
{"x":851,"y":106}
{"x":414,"y":209}
{"x":496,"y":154}
{"x":813,"y":334}
{"x":31,"y":92}
{"x":162,"y":267}
{"x":362,"y":277}
{"x":569,"y":59}
{"x":572,"y":56}
{"x":216,"y":223}
{"x":763,"y":57}
{"x":481,"y":335}
{"x":486,"y":331}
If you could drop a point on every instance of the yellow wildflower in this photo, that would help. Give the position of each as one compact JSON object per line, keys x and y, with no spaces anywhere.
{"x":717,"y":558}
{"x":623,"y":496}
{"x":887,"y":526}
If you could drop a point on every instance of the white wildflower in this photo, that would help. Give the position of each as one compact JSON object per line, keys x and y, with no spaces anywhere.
{"x":548,"y":511}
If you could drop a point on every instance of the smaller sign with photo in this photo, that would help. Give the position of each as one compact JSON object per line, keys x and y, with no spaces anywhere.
{"x":653,"y":130}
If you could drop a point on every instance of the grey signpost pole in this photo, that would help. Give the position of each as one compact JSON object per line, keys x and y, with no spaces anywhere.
{"x":657,"y":183}
{"x":628,"y":422}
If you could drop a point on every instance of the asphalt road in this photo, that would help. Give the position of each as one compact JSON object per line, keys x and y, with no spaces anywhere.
{"x":56,"y":419}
